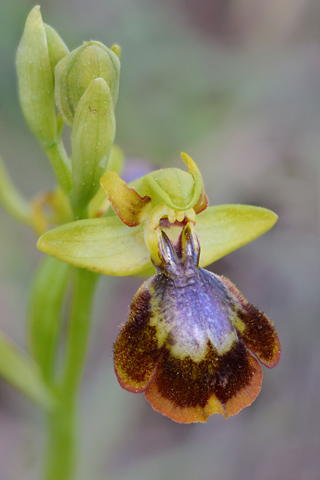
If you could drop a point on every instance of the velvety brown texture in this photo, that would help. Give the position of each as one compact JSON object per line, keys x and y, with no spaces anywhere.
{"x":189,"y":384}
{"x":260,"y":337}
{"x":136,"y":351}
{"x":259,"y":334}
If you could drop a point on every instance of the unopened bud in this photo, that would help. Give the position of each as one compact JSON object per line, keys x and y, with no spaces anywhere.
{"x":75,"y":72}
{"x":39,"y":51}
{"x":93,"y":133}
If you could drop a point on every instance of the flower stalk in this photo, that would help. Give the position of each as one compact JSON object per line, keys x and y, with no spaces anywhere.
{"x":60,"y":163}
{"x":62,"y":423}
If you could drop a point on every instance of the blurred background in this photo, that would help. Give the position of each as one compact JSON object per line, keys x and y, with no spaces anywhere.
{"x":236,"y":84}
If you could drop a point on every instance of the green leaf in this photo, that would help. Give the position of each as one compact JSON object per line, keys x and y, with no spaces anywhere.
{"x":19,"y":370}
{"x":45,"y":305}
{"x":224,"y":228}
{"x":11,"y":199}
{"x":103,"y":245}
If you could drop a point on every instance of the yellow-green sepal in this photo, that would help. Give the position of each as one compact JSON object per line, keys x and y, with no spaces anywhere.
{"x":224,"y":228}
{"x":93,"y":132}
{"x":103,"y":245}
{"x":177,"y":189}
{"x":36,"y":80}
{"x":107,"y":246}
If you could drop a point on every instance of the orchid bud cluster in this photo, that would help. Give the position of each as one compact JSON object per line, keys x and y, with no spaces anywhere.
{"x":83,"y":86}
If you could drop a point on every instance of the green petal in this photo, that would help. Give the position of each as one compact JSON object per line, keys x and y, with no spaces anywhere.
{"x":224,"y":228}
{"x":127,"y":203}
{"x":24,"y":374}
{"x":103,"y":245}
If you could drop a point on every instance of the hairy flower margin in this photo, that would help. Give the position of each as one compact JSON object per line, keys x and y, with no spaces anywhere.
{"x":192,"y":341}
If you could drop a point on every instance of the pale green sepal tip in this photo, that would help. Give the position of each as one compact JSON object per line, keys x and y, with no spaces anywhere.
{"x":56,"y":47}
{"x":116,"y":49}
{"x":19,"y":370}
{"x":103,"y":245}
{"x":222,"y":229}
{"x":92,"y":137}
{"x":35,"y":80}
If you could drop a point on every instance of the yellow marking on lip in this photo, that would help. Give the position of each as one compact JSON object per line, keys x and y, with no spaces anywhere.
{"x":198,"y":354}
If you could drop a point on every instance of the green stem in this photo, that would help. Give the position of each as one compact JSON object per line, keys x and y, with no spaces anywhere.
{"x":80,"y":213}
{"x":61,"y":457}
{"x":61,"y":164}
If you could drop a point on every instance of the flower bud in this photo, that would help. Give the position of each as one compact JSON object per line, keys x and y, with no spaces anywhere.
{"x":75,"y":72}
{"x":92,"y":137}
{"x":39,"y":51}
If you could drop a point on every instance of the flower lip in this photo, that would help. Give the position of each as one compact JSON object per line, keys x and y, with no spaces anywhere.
{"x":188,"y":339}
